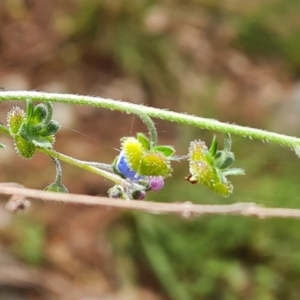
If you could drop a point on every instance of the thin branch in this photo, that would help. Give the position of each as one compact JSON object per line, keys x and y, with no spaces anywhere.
{"x":180,"y":118}
{"x":184,"y":209}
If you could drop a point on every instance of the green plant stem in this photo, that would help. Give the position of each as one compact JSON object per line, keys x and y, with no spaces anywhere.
{"x":180,"y":118}
{"x":82,"y":164}
{"x":77,"y":163}
{"x":102,"y":166}
{"x":58,"y":170}
{"x":151,"y":128}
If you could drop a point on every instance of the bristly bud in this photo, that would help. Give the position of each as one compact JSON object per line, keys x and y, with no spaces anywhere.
{"x":56,"y":187}
{"x":24,"y":148}
{"x":203,"y":170}
{"x":15,"y":118}
{"x":155,"y":164}
{"x":156,"y":183}
{"x":138,"y":195}
{"x":33,"y":128}
{"x":133,"y":150}
{"x":116,"y":192}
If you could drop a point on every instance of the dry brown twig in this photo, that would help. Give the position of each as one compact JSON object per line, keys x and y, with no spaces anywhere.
{"x":184,"y":209}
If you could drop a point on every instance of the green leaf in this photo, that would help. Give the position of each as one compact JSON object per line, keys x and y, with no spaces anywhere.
{"x":166,"y":150}
{"x":143,"y":140}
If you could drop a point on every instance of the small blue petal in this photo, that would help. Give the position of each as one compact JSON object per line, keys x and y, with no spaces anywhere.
{"x":125,"y":170}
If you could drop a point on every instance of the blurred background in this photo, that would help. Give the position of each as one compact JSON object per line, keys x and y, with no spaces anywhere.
{"x":235,"y":61}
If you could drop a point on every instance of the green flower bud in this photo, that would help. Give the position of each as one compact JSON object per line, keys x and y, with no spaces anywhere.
{"x":15,"y":118}
{"x":24,"y":148}
{"x":133,"y":151}
{"x":154,"y":164}
{"x":56,"y":187}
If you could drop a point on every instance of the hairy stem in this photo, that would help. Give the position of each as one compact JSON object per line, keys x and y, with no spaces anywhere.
{"x":81,"y":164}
{"x":180,"y":118}
{"x":101,"y":169}
{"x":151,"y":128}
{"x":58,"y":170}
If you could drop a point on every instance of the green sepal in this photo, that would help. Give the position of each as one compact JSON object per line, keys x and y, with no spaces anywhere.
{"x":29,"y":110}
{"x":42,"y":142}
{"x":165,"y":150}
{"x":154,"y":164}
{"x":24,"y":148}
{"x":40,"y":113}
{"x":234,"y":172}
{"x":56,"y":187}
{"x":50,"y":129}
{"x":227,"y":142}
{"x":224,"y":160}
{"x":213,"y":147}
{"x":143,"y":140}
{"x":228,"y":161}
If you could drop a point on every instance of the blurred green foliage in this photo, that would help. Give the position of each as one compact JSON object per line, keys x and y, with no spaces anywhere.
{"x":272,"y":30}
{"x":117,"y":30}
{"x":29,"y":241}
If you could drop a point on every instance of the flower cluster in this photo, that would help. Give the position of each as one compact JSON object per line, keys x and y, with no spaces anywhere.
{"x":32,"y":129}
{"x":211,"y":166}
{"x":143,"y":164}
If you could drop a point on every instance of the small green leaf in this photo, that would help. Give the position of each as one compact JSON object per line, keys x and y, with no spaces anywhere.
{"x":29,"y":110}
{"x":143,"y":140}
{"x":50,"y":129}
{"x":26,"y":132}
{"x":213,"y":147}
{"x":234,"y":172}
{"x":39,"y":114}
{"x":227,"y":142}
{"x":225,"y":161}
{"x":165,"y":150}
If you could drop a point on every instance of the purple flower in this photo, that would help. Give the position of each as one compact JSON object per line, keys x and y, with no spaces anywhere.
{"x":156,"y":183}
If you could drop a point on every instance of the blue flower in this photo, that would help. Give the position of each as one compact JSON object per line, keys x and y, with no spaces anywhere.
{"x":124,"y":169}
